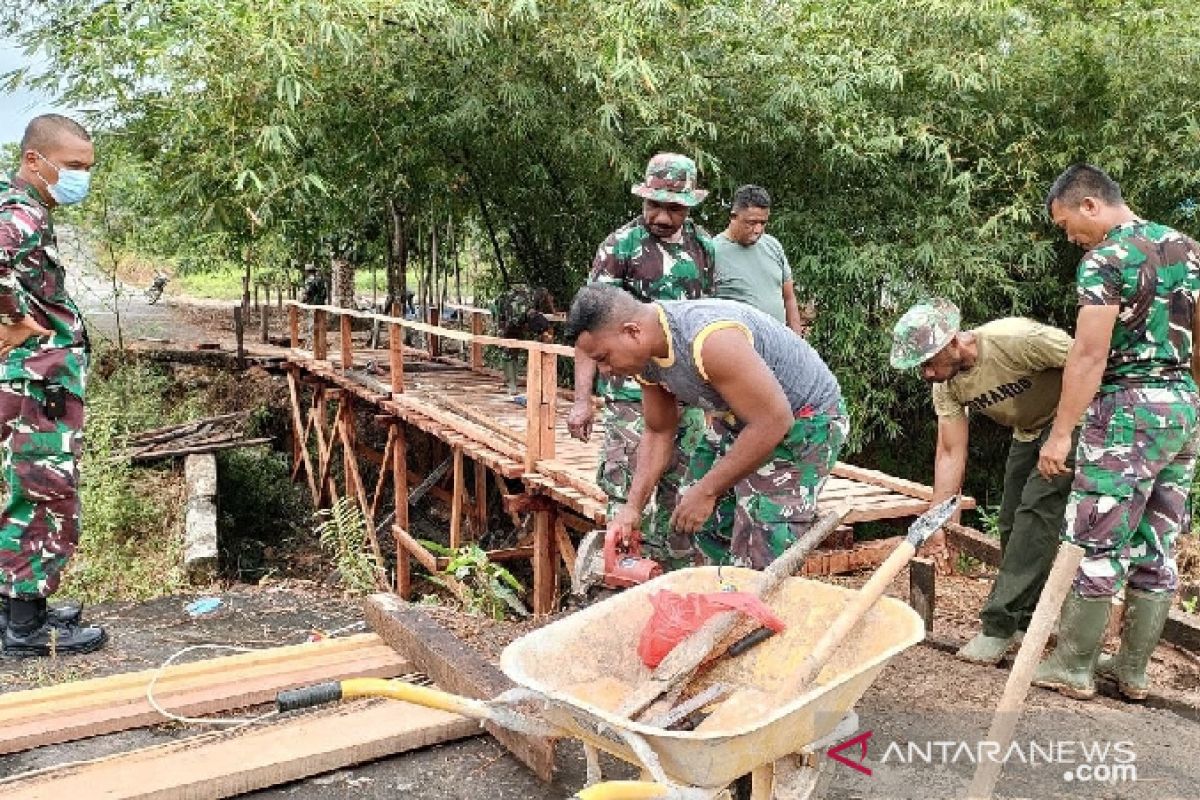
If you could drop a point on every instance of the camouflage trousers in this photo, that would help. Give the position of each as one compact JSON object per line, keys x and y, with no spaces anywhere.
{"x":622,"y":433}
{"x":756,"y":520}
{"x":1129,"y":500}
{"x":39,"y":524}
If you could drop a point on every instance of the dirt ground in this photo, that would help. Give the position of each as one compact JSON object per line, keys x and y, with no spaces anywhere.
{"x":925,"y":714}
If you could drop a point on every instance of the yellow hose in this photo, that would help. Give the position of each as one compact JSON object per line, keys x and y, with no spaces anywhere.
{"x":418,"y":695}
{"x":623,"y":790}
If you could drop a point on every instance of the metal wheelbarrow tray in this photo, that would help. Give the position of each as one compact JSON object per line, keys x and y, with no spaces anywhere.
{"x":585,"y":664}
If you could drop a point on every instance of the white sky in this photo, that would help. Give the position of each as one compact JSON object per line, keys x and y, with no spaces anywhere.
{"x":16,"y":108}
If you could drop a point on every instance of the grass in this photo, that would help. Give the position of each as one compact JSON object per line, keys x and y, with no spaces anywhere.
{"x":131,"y":543}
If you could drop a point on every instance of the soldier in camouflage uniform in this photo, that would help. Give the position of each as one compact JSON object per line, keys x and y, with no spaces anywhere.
{"x":1134,"y":370}
{"x":659,"y":255}
{"x":520,"y":314}
{"x":751,"y":488}
{"x":44,"y":352}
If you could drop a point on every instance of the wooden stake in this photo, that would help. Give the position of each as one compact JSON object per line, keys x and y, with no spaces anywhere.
{"x":320,"y":336}
{"x":1004,"y":723}
{"x":480,"y":515}
{"x":456,"y":504}
{"x":533,"y":412}
{"x":548,"y":405}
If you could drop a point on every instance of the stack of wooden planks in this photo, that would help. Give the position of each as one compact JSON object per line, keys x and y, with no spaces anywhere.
{"x":229,"y":762}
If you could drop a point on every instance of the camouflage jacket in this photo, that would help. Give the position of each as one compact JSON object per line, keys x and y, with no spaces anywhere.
{"x":33,"y":283}
{"x":1153,"y":273}
{"x":515,"y":309}
{"x":315,"y":293}
{"x":635,"y":260}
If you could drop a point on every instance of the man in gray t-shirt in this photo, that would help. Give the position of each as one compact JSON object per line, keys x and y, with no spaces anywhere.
{"x":779,"y":422}
{"x":751,"y":266}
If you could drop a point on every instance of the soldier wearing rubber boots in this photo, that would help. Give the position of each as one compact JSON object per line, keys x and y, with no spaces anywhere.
{"x":44,"y":353}
{"x":1009,"y":370}
{"x":659,"y":255}
{"x":1133,"y":368}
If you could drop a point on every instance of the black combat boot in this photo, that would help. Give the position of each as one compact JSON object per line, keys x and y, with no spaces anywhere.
{"x":30,"y":632}
{"x":68,"y":612}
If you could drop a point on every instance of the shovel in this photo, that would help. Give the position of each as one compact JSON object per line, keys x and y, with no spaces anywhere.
{"x":750,"y":703}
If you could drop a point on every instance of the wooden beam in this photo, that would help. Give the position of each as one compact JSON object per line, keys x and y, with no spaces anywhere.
{"x":545,"y":563}
{"x":456,"y":504}
{"x":974,"y":543}
{"x":400,"y":504}
{"x":229,"y":763}
{"x":300,"y":431}
{"x":81,"y":709}
{"x":434,"y":340}
{"x":1183,"y":630}
{"x":921,"y":589}
{"x":562,"y":540}
{"x":455,"y":667}
{"x":480,"y":515}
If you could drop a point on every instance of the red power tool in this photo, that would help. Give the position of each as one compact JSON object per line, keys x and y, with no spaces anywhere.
{"x":612,"y":560}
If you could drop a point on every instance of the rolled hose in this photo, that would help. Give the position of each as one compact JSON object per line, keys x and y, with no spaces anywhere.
{"x":322,"y":693}
{"x":623,"y":790}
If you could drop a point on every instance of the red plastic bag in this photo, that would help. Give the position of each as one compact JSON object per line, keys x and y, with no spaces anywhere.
{"x":676,"y":616}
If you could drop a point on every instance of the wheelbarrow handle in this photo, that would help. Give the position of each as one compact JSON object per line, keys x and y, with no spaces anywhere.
{"x":623,"y":790}
{"x":426,"y":696}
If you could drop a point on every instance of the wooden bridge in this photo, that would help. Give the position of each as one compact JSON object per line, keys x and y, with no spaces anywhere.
{"x":341,"y":388}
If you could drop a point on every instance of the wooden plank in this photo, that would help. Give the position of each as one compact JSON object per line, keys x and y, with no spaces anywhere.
{"x":1183,"y":630}
{"x":16,"y":704}
{"x":480,"y":514}
{"x":455,"y":667}
{"x":294,"y":327}
{"x":533,"y":412}
{"x":246,"y":691}
{"x":106,"y":705}
{"x":396,"y":357}
{"x":973,"y":543}
{"x":230,"y":763}
{"x":562,"y":540}
{"x":871,"y":476}
{"x":477,"y":416}
{"x":415,"y":548}
{"x":346,"y":340}
{"x":921,"y":589}
{"x":320,"y":343}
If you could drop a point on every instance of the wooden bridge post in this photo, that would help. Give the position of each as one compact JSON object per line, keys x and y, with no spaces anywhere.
{"x":435,"y":342}
{"x":456,"y":500}
{"x":320,"y":335}
{"x":294,"y":326}
{"x":533,"y":410}
{"x":548,"y":407}
{"x":476,"y":347}
{"x":545,"y":561}
{"x":347,"y":341}
{"x":399,"y":468}
{"x":396,"y":356}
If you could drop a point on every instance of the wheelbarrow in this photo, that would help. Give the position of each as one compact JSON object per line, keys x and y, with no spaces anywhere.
{"x":573,"y":673}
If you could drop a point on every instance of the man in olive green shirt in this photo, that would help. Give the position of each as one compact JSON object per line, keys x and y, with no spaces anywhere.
{"x":1009,"y":370}
{"x":751,"y":266}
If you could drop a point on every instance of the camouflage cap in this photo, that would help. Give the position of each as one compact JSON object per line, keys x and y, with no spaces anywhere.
{"x":923,"y":331}
{"x":671,"y":178}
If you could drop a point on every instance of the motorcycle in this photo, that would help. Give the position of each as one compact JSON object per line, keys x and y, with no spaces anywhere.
{"x":155,"y":289}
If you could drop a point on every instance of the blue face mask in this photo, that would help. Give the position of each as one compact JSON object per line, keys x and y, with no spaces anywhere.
{"x":72,"y":185}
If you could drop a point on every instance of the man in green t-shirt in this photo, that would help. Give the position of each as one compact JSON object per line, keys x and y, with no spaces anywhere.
{"x":1010,"y":371}
{"x":751,"y":265}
